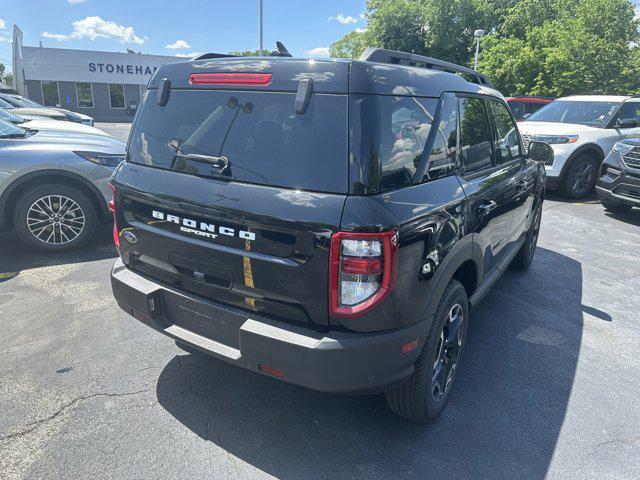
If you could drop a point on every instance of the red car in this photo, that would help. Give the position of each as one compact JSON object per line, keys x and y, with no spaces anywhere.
{"x":522,"y":107}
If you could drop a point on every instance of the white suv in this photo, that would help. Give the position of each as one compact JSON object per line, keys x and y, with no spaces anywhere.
{"x":581,"y":130}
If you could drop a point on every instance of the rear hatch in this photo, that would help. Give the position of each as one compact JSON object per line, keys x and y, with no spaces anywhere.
{"x":230,"y":191}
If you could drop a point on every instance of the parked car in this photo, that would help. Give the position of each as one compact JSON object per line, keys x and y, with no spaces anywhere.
{"x":44,"y":123}
{"x":524,"y":107}
{"x":581,"y":130}
{"x":313,"y":221}
{"x":20,"y":102}
{"x":618,"y":184}
{"x":35,"y":112}
{"x":53,"y":185}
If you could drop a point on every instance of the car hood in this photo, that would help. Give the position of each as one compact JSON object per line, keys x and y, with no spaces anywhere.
{"x":40,"y":112}
{"x":47,"y":124}
{"x":81,"y":115}
{"x":58,"y":140}
{"x":554,"y":128}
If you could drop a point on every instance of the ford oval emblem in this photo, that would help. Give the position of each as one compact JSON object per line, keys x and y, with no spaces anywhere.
{"x":129,"y":236}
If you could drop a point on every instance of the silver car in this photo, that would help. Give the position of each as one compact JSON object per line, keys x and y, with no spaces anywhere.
{"x":54,"y":184}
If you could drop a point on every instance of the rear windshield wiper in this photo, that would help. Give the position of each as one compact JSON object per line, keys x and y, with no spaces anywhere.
{"x":220,"y":162}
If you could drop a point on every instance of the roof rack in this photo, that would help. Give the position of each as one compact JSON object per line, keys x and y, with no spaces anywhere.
{"x":382,"y":55}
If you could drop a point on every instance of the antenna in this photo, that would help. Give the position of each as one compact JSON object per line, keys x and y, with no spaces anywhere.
{"x":280,"y":51}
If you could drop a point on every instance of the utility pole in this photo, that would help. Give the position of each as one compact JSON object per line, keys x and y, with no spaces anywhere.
{"x":260,"y":27}
{"x":478,"y":34}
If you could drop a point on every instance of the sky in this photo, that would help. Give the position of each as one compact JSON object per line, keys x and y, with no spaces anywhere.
{"x":184,"y":27}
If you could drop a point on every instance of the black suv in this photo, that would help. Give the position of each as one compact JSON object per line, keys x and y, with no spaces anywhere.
{"x":618,"y":183}
{"x":328,"y":223}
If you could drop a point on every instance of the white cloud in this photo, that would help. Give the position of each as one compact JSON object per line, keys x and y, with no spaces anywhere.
{"x":3,"y":25}
{"x":345,"y":20}
{"x":178,"y":45}
{"x":363,"y":16}
{"x":96,"y":27}
{"x":3,"y":40}
{"x":361,"y":30}
{"x":188,"y":55}
{"x":318,"y":52}
{"x":73,"y":2}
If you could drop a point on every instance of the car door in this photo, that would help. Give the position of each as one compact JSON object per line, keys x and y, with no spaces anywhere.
{"x":487,"y":185}
{"x":511,"y":156}
{"x":630,"y":110}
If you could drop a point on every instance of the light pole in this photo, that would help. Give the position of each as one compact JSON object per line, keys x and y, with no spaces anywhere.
{"x":260,"y":52}
{"x":478,"y":34}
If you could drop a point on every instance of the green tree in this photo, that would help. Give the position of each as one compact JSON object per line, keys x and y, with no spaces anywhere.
{"x":397,"y":24}
{"x":247,"y":53}
{"x":351,"y":45}
{"x":1,"y":71}
{"x":9,"y":79}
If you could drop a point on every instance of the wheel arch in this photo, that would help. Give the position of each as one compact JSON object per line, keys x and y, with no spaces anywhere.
{"x":22,"y":184}
{"x":466,"y":266}
{"x":590,"y":149}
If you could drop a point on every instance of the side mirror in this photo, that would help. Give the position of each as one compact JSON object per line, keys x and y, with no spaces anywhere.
{"x":626,"y":123}
{"x":540,"y":152}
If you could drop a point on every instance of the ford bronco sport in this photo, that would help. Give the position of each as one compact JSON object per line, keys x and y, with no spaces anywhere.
{"x":327,"y":223}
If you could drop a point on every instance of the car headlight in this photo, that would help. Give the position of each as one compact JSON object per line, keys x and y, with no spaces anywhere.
{"x":106,"y":159}
{"x":622,"y":149}
{"x":557,"y":139}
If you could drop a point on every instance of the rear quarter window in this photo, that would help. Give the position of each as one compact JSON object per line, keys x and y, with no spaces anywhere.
{"x":264,"y":140}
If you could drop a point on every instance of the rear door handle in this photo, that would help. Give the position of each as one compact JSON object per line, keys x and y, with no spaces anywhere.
{"x":487,"y":207}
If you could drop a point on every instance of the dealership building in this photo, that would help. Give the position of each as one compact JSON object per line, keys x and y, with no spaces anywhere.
{"x":100,"y":84}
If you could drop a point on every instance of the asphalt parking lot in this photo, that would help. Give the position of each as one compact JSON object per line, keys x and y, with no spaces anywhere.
{"x":548,"y":387}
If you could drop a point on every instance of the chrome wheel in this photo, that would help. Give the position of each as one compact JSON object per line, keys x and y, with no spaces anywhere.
{"x":449,"y":347}
{"x":55,"y":219}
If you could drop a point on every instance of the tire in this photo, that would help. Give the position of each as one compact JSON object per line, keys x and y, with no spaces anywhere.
{"x":580,"y":178}
{"x":524,"y":257}
{"x":613,"y":206}
{"x":37,"y":224}
{"x":418,"y":400}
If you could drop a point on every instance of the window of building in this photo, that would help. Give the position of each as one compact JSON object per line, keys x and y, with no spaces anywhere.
{"x":116,"y":95}
{"x":476,"y":150}
{"x":50,"y":94}
{"x":84,"y":92}
{"x":508,"y":139}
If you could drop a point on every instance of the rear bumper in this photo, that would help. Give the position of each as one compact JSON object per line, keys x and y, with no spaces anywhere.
{"x":330,"y":362}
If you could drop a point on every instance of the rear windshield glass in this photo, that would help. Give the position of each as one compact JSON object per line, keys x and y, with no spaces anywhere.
{"x":254,"y":137}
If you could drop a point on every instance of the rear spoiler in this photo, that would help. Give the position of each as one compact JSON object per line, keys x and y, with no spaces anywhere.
{"x":382,"y":55}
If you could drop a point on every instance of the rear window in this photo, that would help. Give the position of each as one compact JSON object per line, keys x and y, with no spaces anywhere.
{"x":261,"y":137}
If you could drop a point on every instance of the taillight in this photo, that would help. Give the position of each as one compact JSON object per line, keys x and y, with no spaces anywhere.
{"x":362,"y":271}
{"x":261,"y":79}
{"x":112,"y":209}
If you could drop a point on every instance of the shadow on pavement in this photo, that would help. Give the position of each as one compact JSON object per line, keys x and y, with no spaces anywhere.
{"x":15,"y":256}
{"x":503,"y":419}
{"x":632,"y":217}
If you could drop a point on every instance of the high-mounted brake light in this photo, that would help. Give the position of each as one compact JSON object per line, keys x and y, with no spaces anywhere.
{"x":260,"y":79}
{"x":112,"y":209}
{"x":362,"y":271}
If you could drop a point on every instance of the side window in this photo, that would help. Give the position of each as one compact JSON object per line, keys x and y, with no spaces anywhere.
{"x":507,"y":136}
{"x":476,"y":149}
{"x":442,"y":160}
{"x":518,"y":108}
{"x":630,"y":111}
{"x":405,"y":123}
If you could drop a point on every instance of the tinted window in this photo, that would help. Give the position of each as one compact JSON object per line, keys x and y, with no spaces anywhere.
{"x":630,"y":111}
{"x":393,"y":135}
{"x":507,"y":136}
{"x":50,"y":94}
{"x":476,"y":150}
{"x":116,"y":95}
{"x":258,"y":133}
{"x":594,"y":114}
{"x":518,"y":109}
{"x":84,"y":92}
{"x":443,"y":152}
